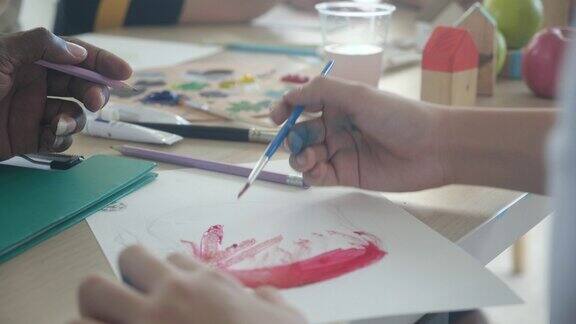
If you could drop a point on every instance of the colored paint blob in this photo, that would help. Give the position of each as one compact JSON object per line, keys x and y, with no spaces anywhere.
{"x":275,"y":94}
{"x":218,"y":73}
{"x":150,"y":83}
{"x":213,"y":94}
{"x":192,"y":86}
{"x":247,"y":78}
{"x":165,"y":97}
{"x":295,"y":78}
{"x":228,"y":84}
{"x":247,"y":106}
{"x":210,"y":75}
{"x":364,"y":251}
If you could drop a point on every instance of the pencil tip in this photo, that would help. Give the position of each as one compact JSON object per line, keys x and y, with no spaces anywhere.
{"x":115,"y":148}
{"x":246,"y":186}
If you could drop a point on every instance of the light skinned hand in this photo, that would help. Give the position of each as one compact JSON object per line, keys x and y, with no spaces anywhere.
{"x":178,"y":291}
{"x":364,"y":138}
{"x":30,"y":122}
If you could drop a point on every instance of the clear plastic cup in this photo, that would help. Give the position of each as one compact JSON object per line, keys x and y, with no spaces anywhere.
{"x":354,"y":36}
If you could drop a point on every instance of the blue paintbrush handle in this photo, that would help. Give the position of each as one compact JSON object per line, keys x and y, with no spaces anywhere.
{"x":281,"y":136}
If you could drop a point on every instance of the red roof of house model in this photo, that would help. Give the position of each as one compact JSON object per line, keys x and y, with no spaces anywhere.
{"x":450,"y":49}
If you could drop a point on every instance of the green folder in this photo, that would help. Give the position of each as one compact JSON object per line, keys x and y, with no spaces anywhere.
{"x":37,"y":204}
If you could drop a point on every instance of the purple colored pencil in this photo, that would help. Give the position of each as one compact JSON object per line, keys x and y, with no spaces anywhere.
{"x":85,"y":75}
{"x":142,"y":153}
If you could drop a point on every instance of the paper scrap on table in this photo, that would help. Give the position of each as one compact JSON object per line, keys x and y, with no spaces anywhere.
{"x":146,"y":53}
{"x":23,"y":163}
{"x":416,"y":271}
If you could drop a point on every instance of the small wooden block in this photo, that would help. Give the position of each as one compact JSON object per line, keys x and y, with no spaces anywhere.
{"x":480,"y":24}
{"x":454,"y":89}
{"x":450,"y":67}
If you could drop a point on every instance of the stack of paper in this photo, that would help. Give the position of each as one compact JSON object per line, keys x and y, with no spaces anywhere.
{"x":37,"y":204}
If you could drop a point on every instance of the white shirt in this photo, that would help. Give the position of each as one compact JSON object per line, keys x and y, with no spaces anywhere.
{"x":562,"y":168}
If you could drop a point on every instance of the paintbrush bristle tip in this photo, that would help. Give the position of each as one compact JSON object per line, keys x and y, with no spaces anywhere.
{"x":246,"y":186}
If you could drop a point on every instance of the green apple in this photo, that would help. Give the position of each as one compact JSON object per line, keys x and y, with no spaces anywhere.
{"x":502,"y":51}
{"x":518,"y":20}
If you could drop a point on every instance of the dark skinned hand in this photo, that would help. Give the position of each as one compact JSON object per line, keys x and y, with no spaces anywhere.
{"x":31,"y":120}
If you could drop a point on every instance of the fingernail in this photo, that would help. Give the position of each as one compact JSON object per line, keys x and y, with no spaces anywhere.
{"x":127,"y":281}
{"x":286,"y":146}
{"x":300,"y":159}
{"x":295,"y":143}
{"x":66,"y":125}
{"x":76,"y":50}
{"x":58,"y":140}
{"x":104,"y":96}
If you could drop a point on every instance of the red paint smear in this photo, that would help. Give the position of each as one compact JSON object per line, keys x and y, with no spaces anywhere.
{"x":211,"y":242}
{"x":325,"y":266}
{"x":252,"y":252}
{"x":319,"y":268}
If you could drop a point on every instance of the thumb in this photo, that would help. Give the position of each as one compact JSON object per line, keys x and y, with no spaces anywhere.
{"x":40,"y":44}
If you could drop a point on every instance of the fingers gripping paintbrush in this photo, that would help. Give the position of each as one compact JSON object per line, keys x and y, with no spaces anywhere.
{"x":277,"y":141}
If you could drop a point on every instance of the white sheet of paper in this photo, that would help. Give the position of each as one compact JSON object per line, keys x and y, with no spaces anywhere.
{"x":287,"y":17}
{"x":422,"y":272}
{"x":144,"y":53}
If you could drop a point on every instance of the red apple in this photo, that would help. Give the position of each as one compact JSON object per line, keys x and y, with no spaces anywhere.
{"x":543,"y":58}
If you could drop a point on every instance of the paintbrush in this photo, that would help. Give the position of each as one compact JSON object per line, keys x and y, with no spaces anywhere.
{"x":277,"y":141}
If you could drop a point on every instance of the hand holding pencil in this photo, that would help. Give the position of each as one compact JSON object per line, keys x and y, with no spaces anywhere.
{"x":30,"y":122}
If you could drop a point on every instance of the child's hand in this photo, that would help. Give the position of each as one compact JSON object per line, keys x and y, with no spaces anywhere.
{"x":365,"y":138}
{"x":180,"y":290}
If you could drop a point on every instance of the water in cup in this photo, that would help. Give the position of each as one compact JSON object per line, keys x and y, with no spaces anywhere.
{"x":354,"y":36}
{"x":356,"y":62}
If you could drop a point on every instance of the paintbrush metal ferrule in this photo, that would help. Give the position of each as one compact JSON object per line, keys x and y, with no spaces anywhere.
{"x":296,"y":181}
{"x":257,"y":169}
{"x":254,"y":174}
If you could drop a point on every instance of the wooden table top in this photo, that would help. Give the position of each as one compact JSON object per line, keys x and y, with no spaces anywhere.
{"x":39,"y":286}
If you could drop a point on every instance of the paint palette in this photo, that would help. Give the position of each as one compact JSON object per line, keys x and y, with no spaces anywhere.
{"x":226,"y":86}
